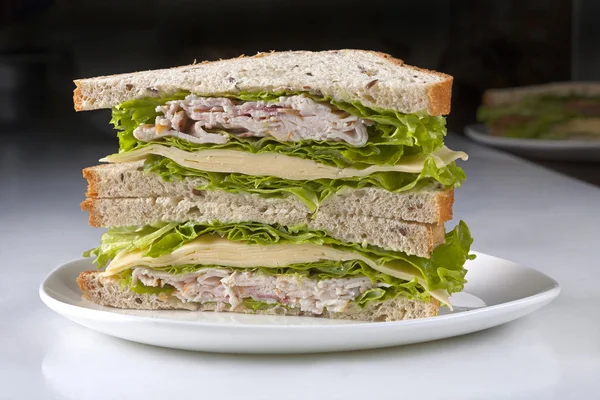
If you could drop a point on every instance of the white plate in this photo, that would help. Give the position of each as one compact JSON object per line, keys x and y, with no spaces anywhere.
{"x":499,"y":291}
{"x":559,"y":150}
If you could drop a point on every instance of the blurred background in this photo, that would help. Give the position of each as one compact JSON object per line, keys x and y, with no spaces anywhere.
{"x":45,"y":44}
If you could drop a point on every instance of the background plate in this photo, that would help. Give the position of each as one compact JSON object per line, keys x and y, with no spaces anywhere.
{"x":498,"y":291}
{"x":560,"y":150}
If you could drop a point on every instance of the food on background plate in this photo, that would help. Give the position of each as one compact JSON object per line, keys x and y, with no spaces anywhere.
{"x":292,"y":183}
{"x":564,"y":110}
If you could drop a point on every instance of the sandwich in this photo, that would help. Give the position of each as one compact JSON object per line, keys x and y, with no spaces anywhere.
{"x":293,"y":183}
{"x":563,"y":110}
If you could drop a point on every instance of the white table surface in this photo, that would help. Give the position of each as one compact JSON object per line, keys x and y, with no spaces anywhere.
{"x":515,"y":210}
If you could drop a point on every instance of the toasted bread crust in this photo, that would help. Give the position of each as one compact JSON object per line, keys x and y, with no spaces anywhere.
{"x":438,"y":236}
{"x":86,"y":283}
{"x":93,"y":181}
{"x":77,"y":98}
{"x":439,"y":95}
{"x":95,"y":217}
{"x":487,"y":99}
{"x":445,"y":200}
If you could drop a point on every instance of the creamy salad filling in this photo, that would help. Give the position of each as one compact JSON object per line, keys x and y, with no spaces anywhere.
{"x":229,"y":286}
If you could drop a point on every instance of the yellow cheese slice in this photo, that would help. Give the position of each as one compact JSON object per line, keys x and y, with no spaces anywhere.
{"x":214,"y":250}
{"x":274,"y":164}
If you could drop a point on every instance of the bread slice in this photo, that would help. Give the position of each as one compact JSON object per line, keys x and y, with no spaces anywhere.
{"x":430,"y":205}
{"x":394,"y":234}
{"x":496,"y":97}
{"x":107,"y":291}
{"x":371,"y":78}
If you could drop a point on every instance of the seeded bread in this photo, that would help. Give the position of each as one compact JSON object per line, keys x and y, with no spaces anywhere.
{"x":107,"y":291}
{"x":394,"y":234}
{"x":371,"y":78}
{"x":431,"y":205}
{"x":496,"y":97}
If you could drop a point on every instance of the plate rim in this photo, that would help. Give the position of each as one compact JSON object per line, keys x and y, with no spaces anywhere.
{"x":544,"y":297}
{"x":478,"y":132}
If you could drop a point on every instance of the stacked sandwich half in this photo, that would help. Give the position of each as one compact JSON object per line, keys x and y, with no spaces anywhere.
{"x":560,"y":110}
{"x":292,"y":183}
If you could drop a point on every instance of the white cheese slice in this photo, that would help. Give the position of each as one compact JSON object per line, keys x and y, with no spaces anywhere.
{"x":214,"y":250}
{"x":274,"y":164}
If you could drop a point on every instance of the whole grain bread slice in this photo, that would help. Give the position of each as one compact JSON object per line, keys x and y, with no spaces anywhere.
{"x":430,"y":205}
{"x":371,"y":78}
{"x":107,"y":291}
{"x":393,"y":234}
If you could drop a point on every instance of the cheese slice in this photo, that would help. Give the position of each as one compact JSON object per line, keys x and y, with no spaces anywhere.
{"x":275,"y":164}
{"x":214,"y":250}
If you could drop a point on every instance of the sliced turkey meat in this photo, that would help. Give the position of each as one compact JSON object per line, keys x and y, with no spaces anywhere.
{"x":228,"y":286}
{"x":147,"y":132}
{"x":290,"y":119}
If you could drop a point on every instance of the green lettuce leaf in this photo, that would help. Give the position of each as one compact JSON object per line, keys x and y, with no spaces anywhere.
{"x":311,"y":193}
{"x":444,"y":270}
{"x":258,"y":305}
{"x":391,"y":136}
